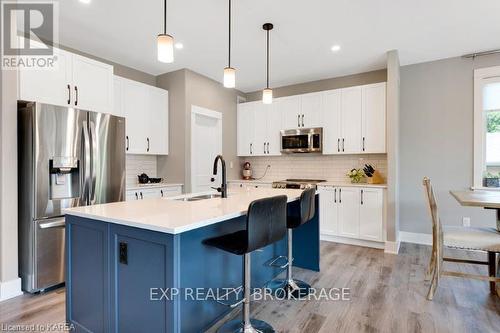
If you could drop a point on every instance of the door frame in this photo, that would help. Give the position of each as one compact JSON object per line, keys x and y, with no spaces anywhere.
{"x":195,"y":111}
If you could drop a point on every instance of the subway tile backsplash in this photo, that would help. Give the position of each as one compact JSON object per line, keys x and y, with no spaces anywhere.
{"x":329,"y":167}
{"x":137,"y":164}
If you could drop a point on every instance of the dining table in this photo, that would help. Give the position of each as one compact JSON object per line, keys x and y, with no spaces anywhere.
{"x":483,"y":199}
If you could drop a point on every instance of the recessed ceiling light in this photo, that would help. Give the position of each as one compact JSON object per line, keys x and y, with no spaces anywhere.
{"x":85,"y":1}
{"x":335,"y":48}
{"x":179,"y":46}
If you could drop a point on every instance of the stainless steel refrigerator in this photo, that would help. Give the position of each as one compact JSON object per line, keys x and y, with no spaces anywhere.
{"x":67,"y":158}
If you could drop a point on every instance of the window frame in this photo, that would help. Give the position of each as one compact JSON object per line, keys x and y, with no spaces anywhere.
{"x":482,"y":76}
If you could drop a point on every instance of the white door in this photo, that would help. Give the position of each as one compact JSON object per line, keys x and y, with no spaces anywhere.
{"x":274,"y":125}
{"x":371,"y":214}
{"x":351,"y":120}
{"x":245,"y":129}
{"x":93,"y":84}
{"x":374,"y":118}
{"x":289,"y":107}
{"x":206,"y":144}
{"x":158,"y":120}
{"x":261,"y":114}
{"x":328,"y":210}
{"x":311,"y":110}
{"x":331,"y":122}
{"x":135,"y":97}
{"x":48,"y":86}
{"x":348,"y":212}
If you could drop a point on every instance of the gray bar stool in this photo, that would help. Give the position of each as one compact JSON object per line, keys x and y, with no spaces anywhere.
{"x":290,"y":286}
{"x":265,"y":224}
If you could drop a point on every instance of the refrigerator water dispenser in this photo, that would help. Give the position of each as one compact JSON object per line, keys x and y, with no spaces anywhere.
{"x":64,"y":178}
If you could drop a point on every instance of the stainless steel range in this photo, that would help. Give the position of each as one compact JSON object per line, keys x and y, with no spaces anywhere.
{"x":297,"y":183}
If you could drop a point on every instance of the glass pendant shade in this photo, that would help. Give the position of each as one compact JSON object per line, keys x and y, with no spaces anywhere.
{"x":229,"y":77}
{"x":165,"y":48}
{"x":267,"y":96}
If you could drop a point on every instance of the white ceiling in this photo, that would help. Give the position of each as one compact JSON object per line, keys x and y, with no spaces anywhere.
{"x":124,"y":31}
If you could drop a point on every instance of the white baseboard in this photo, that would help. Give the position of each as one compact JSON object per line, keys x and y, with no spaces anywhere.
{"x":415,"y":238}
{"x":10,"y":289}
{"x":352,"y":241}
{"x":392,"y":247}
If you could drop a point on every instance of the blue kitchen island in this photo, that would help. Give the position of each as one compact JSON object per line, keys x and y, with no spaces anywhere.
{"x":141,"y":266}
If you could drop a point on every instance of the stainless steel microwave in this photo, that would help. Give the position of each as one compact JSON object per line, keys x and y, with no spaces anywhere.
{"x":302,"y":140}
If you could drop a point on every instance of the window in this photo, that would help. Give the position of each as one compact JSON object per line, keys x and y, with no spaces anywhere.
{"x":487,"y":127}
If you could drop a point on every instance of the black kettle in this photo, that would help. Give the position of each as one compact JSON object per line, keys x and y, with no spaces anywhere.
{"x":143,"y":178}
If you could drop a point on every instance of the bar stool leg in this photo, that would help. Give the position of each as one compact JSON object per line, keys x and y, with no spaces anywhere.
{"x":290,"y":287}
{"x":247,"y":325}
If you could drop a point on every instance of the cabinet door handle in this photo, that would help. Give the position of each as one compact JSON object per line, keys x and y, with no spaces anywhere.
{"x":363,"y":143}
{"x":302,"y":120}
{"x":338,"y":145}
{"x":127,"y":143}
{"x":69,"y":94}
{"x":343,"y":144}
{"x":298,"y":120}
{"x":335,"y":196}
{"x":76,"y":95}
{"x":136,"y":196}
{"x":265,"y":152}
{"x":123,"y":253}
{"x":161,"y":191}
{"x":340,"y":195}
{"x":268,"y":147}
{"x":141,"y":195}
{"x":147,"y":139}
{"x":361,"y":196}
{"x":251,"y":149}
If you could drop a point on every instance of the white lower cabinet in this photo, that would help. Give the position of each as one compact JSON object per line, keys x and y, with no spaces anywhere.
{"x":352,"y":212}
{"x":233,"y":184}
{"x":156,"y":192}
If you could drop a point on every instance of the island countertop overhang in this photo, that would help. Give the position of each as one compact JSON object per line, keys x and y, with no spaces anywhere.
{"x":172,"y":216}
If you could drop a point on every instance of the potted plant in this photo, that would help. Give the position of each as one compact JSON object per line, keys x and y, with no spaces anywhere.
{"x":491,"y":180}
{"x":356,"y":175}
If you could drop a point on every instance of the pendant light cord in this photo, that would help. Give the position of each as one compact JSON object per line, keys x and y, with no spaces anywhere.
{"x":268,"y":59}
{"x":229,"y":57}
{"x":165,"y":17}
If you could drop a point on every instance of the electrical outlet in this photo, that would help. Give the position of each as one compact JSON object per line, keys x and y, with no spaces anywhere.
{"x":466,"y":221}
{"x":230,"y":164}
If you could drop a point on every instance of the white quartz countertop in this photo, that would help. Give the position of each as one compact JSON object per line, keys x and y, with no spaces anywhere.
{"x":175,"y":216}
{"x":152,"y":185}
{"x":347,"y":184}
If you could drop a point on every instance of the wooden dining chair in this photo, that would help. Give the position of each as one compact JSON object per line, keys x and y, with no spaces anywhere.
{"x":465,"y":238}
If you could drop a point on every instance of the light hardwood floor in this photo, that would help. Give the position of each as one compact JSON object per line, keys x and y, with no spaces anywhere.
{"x":387,"y":295}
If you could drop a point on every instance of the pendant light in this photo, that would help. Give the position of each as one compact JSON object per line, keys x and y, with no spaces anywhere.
{"x":229,"y":72}
{"x":267,"y":94}
{"x":165,"y":42}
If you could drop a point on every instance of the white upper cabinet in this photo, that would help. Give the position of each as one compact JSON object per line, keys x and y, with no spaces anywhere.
{"x":245,"y":129}
{"x":75,"y":81}
{"x":117,"y":97}
{"x":310,"y":109}
{"x":351,"y":120}
{"x":92,"y":84}
{"x":48,"y":86}
{"x":146,"y":111}
{"x":258,"y":129}
{"x":374,"y":118}
{"x":331,"y":122}
{"x":289,"y":107}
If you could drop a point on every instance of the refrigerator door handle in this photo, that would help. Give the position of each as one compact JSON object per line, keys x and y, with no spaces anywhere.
{"x":86,"y":161}
{"x":93,"y":168}
{"x":54,"y":224}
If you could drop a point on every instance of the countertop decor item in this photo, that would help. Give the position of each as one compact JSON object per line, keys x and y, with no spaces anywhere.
{"x":247,"y":171}
{"x":356,"y":175}
{"x":372,"y":175}
{"x":143,"y":178}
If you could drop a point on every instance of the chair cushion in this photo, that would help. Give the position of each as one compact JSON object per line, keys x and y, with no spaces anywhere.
{"x":235,"y":242}
{"x":483,"y":239}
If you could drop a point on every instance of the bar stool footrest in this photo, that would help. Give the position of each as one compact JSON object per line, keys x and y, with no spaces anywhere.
{"x":236,"y":326}
{"x":275,"y":262}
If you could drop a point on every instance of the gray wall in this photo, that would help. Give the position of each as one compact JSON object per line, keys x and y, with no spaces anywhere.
{"x":436,"y":140}
{"x":321,"y":85}
{"x":187,"y":88}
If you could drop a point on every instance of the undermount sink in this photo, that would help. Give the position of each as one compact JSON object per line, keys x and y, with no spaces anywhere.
{"x":200,"y":197}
